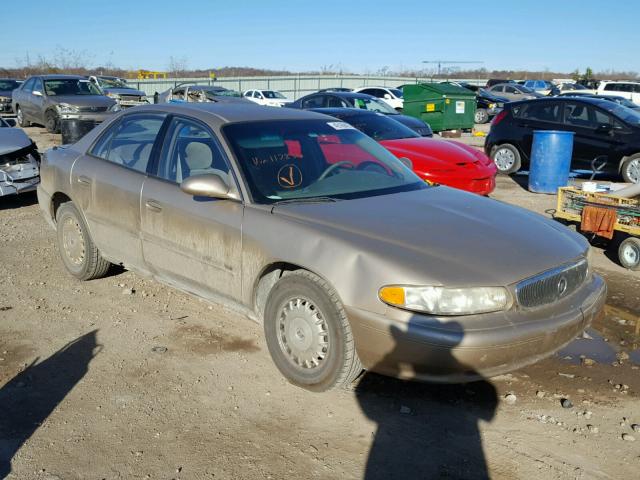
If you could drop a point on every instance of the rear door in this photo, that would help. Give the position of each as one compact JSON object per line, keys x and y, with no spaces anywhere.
{"x":107,"y":182}
{"x":535,"y":115}
{"x":192,"y":242}
{"x":25,"y":99}
{"x":38,"y":101}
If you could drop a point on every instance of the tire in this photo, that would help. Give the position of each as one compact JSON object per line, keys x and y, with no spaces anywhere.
{"x":630,"y":169}
{"x":507,"y":158}
{"x":629,"y":253}
{"x":20,"y":118}
{"x":79,"y":254}
{"x":51,"y":122}
{"x":481,"y":116}
{"x":308,"y":334}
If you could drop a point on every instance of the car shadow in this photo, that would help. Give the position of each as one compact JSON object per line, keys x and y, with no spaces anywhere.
{"x":425,"y":430}
{"x":13,"y":202}
{"x":29,"y":398}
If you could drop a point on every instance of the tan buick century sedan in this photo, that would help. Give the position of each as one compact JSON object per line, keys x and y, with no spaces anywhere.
{"x":348,"y":265}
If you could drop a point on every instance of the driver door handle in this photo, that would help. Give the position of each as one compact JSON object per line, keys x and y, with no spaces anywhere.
{"x":84,"y":180}
{"x":153,"y":205}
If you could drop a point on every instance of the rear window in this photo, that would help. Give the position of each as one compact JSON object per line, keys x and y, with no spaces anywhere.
{"x":538,"y":111}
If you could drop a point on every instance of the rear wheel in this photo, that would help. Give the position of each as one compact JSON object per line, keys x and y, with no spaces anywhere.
{"x":630,"y":169}
{"x":629,"y":253}
{"x":20,"y":118}
{"x":507,"y":158}
{"x":308,"y":334}
{"x":78,"y":252}
{"x":481,"y":116}
{"x":51,"y":121}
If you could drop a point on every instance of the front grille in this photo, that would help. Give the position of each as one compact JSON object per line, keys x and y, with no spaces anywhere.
{"x":131,"y":98}
{"x":550,"y":286}
{"x":92,"y":109}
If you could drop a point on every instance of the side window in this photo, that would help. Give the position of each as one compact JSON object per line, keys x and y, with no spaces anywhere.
{"x":498,"y":89}
{"x":28,"y":86}
{"x":178,"y":94}
{"x":316,"y":101}
{"x":133,"y":141}
{"x":258,"y":94}
{"x":37,"y":86}
{"x":334,"y":102}
{"x":190,"y":149}
{"x":636,"y":87}
{"x":542,"y":112}
{"x":368,"y":91}
{"x":612,"y":87}
{"x":100,"y":149}
{"x":577,"y":115}
{"x":510,"y":90}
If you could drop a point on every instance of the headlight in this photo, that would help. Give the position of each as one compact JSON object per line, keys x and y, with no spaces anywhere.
{"x":66,"y":108}
{"x":115,"y":108}
{"x":144,"y":98}
{"x":112,"y":95}
{"x":5,"y":99}
{"x":446,"y":301}
{"x":492,"y":106}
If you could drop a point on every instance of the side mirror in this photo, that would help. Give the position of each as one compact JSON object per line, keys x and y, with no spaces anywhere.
{"x":387,"y":96}
{"x":37,"y":93}
{"x":11,"y":122}
{"x":209,"y":185}
{"x":407,"y":163}
{"x":517,"y":92}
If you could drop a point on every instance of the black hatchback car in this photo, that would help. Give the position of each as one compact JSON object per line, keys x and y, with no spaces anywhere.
{"x":602,"y":129}
{"x":326,"y":99}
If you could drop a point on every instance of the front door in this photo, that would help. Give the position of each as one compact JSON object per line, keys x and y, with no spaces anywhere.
{"x":192,"y":242}
{"x":107,"y":182}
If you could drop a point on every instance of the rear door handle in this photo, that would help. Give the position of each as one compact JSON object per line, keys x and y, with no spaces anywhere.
{"x":84,"y":180}
{"x":153,"y":205}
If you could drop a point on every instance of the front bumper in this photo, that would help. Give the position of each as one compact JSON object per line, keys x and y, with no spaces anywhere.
{"x":6,"y":108}
{"x":97,"y":117}
{"x":451,"y":351}
{"x":481,"y":186}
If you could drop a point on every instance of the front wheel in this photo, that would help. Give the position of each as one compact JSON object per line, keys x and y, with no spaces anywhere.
{"x":481,"y":116}
{"x":630,"y":169}
{"x":507,"y":158}
{"x":51,"y":122}
{"x":78,"y":252}
{"x":629,"y":253}
{"x":308,"y":334}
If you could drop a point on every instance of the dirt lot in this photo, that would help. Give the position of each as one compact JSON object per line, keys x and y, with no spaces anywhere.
{"x":123,"y":378}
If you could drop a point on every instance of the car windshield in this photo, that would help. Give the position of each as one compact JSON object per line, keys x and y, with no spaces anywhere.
{"x":321,"y":159}
{"x":272,"y":94}
{"x":626,"y":114}
{"x":9,"y":84}
{"x":70,"y":86}
{"x":524,"y":89}
{"x":396,"y":92}
{"x":106,"y":82}
{"x":373,"y":105}
{"x":380,"y":127}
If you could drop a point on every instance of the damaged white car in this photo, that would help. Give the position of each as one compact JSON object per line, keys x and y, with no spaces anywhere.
{"x":19,"y":160}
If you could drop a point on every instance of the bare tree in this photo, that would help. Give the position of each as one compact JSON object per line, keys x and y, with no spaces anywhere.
{"x":178,"y":65}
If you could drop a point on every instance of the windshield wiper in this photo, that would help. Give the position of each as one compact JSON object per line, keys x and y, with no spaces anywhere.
{"x":306,"y":200}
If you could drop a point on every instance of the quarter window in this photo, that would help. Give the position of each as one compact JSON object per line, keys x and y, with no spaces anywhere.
{"x":101,"y":147}
{"x":133,"y":141}
{"x":190,"y":149}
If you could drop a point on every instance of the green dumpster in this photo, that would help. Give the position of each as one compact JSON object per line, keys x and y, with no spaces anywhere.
{"x":441,"y":105}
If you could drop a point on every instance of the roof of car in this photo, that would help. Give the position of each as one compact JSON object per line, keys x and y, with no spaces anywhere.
{"x":233,"y":111}
{"x":348,"y":94}
{"x":345,"y":112}
{"x":61,"y":77}
{"x":567,"y":98}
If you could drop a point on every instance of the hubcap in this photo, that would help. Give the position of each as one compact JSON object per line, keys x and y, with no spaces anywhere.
{"x":303,"y":334}
{"x":631,"y":254}
{"x":73,"y":241}
{"x":633,"y":170}
{"x":504,"y":159}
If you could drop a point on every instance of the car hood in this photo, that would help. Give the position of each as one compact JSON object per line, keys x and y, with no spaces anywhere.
{"x":124,"y":91}
{"x":443,"y":236}
{"x":410,"y":122}
{"x":12,"y":139}
{"x":432,"y":153}
{"x":84,"y":100}
{"x":6,"y":93}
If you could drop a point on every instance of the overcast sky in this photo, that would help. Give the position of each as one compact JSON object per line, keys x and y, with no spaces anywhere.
{"x":358,"y":36}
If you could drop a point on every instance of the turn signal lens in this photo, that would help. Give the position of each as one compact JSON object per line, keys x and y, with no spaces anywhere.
{"x":392,"y":295}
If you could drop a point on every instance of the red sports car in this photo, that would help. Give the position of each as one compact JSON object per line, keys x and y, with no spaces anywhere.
{"x":437,"y":161}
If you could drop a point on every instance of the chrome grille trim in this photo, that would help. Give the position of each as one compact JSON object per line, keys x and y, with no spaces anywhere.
{"x":552,"y":285}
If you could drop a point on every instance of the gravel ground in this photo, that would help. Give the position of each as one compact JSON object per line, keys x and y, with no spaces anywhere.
{"x":123,"y":378}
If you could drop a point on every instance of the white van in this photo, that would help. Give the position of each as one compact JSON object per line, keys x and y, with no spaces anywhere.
{"x":630,"y":90}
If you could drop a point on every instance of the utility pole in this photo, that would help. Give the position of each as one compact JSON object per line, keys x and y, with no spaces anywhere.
{"x":440,"y":63}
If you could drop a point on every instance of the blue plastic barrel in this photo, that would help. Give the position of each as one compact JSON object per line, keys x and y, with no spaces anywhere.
{"x":550,"y":160}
